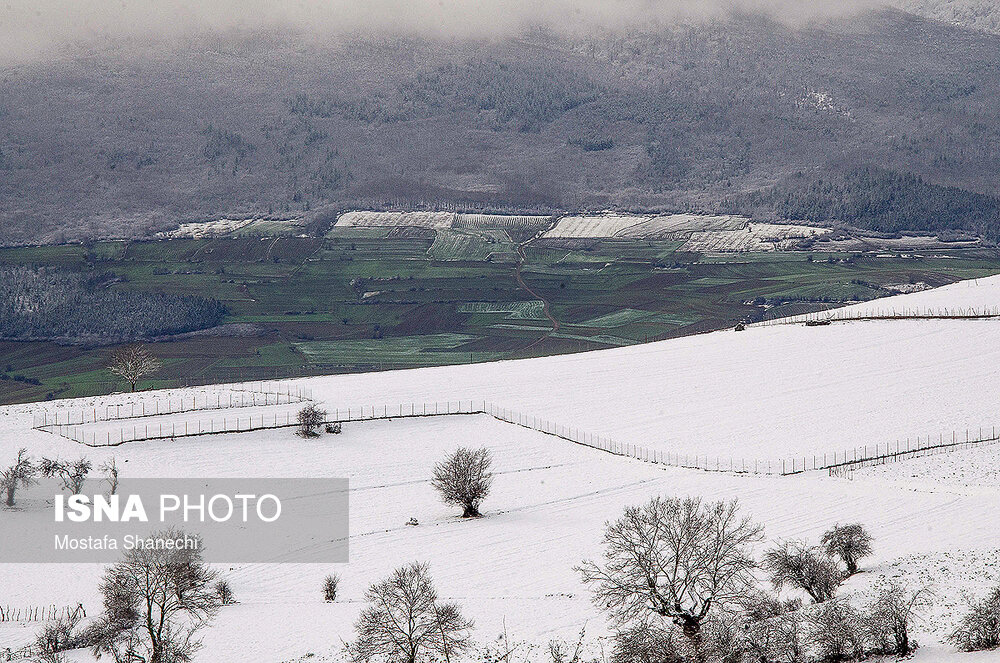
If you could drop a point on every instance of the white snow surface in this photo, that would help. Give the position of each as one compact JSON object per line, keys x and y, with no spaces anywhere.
{"x":764,"y":392}
{"x":512,"y":569}
{"x":973,"y":296}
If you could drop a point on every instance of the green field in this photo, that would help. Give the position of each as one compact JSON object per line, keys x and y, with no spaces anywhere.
{"x":369,"y":299}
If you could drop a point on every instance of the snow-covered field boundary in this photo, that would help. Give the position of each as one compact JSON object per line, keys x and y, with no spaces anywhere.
{"x":242,"y":395}
{"x":943,"y":446}
{"x":836,"y":462}
{"x":917,"y":313}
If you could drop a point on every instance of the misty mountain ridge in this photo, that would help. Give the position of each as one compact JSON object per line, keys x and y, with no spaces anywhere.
{"x":976,"y":14}
{"x":747,"y":114}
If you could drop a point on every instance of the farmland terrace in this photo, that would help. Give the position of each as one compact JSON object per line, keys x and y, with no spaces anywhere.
{"x":261,"y":299}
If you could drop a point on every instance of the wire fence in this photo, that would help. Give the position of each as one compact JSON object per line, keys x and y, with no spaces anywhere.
{"x":943,"y":446}
{"x":40,"y":613}
{"x":904,"y":313}
{"x":847,"y":459}
{"x":243,"y":395}
{"x":26,"y":653}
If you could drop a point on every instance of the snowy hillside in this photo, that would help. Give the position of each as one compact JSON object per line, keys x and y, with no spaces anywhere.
{"x":766,"y":392}
{"x":763,"y":392}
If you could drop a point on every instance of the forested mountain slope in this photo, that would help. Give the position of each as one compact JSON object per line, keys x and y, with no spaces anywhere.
{"x":977,"y":14}
{"x":746,"y":115}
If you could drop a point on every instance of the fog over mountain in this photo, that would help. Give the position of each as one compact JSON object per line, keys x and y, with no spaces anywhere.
{"x":30,"y":29}
{"x":123,"y":119}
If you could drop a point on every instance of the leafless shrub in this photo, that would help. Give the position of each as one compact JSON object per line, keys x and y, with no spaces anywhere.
{"x":676,"y":559}
{"x":405,"y":623}
{"x":330,"y":585}
{"x":224,"y":592}
{"x":71,"y":474}
{"x":837,"y":631}
{"x":464,"y":479}
{"x":758,"y":605}
{"x":58,"y":636}
{"x":773,"y":629}
{"x":310,"y":418}
{"x":891,"y":614}
{"x":848,"y":542}
{"x":111,"y":476}
{"x":155,"y":602}
{"x":980,"y":628}
{"x":22,"y":474}
{"x":132,"y":363}
{"x":723,"y":640}
{"x":647,"y":643}
{"x":776,"y":639}
{"x":562,"y":652}
{"x":798,"y":565}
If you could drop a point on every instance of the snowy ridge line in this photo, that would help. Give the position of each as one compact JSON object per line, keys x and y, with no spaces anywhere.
{"x":847,"y":315}
{"x":846,"y":470}
{"x":780,"y":467}
{"x":246,"y":396}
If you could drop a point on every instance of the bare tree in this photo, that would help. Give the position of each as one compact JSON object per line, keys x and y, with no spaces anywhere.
{"x":111,"y":476}
{"x":848,"y":542}
{"x":224,"y":592}
{"x":155,"y":602}
{"x":310,"y":418}
{"x":406,"y":623}
{"x":132,"y":363}
{"x":72,"y":474}
{"x":19,"y":475}
{"x":980,"y":627}
{"x":330,"y":585}
{"x":464,"y":478}
{"x":796,"y":564}
{"x":674,"y":559}
{"x":891,"y":614}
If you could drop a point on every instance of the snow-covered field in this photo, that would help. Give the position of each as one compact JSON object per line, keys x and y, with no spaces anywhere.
{"x":216,"y":228}
{"x":967,"y":471}
{"x":975,"y":296}
{"x":415,"y":219}
{"x":603,"y":225}
{"x":640,"y":226}
{"x":512,"y":569}
{"x":699,"y":233}
{"x":438,"y":220}
{"x":755,"y":237}
{"x":764,"y":392}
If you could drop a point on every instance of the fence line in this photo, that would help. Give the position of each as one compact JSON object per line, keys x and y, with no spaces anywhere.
{"x":846,"y":470}
{"x":845,"y":315}
{"x":240,"y":396}
{"x":28,"y":652}
{"x":848,"y":458}
{"x":39,"y":613}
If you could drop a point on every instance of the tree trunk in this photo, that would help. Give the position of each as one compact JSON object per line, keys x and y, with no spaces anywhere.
{"x":10,"y":495}
{"x":471,"y":512}
{"x":691,"y":629}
